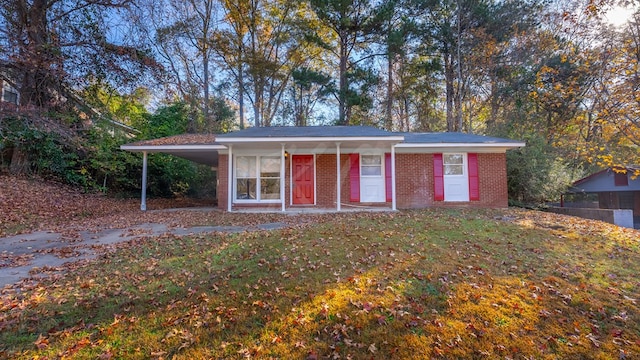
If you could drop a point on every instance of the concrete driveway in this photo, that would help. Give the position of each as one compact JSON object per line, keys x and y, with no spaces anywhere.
{"x":32,"y":255}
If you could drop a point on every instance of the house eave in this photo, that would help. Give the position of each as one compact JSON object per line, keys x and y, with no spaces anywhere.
{"x":161,"y":148}
{"x":430,"y":148}
{"x":461,"y":145}
{"x":287,"y":139}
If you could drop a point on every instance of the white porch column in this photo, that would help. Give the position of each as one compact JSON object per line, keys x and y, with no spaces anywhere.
{"x":143,"y":199}
{"x":229,"y":178}
{"x":393,"y":177}
{"x":338,"y":190}
{"x":282,"y":176}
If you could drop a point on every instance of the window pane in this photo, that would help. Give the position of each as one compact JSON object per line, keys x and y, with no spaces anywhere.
{"x":453,"y":159}
{"x":371,"y":160}
{"x":245,"y":189}
{"x":11,"y":97}
{"x":371,"y":171}
{"x":453,"y":170}
{"x":245,"y":167}
{"x":270,"y":166}
{"x":269,"y":189}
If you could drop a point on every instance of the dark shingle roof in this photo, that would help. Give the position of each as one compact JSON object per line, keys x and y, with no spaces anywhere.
{"x":308,"y":131}
{"x":320,"y":132}
{"x":452,"y":138}
{"x":630,"y":169}
{"x":182,"y":139}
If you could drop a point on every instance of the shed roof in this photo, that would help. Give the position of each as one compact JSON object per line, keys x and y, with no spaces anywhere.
{"x":604,"y":181}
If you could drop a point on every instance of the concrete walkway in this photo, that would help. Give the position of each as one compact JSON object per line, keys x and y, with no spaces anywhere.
{"x":26,"y":255}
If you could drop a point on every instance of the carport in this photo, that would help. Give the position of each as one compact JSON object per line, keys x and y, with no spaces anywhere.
{"x":199,"y":148}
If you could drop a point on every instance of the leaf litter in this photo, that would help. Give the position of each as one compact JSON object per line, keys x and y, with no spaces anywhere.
{"x":436,"y":283}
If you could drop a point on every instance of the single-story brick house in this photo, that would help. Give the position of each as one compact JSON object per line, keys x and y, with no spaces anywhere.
{"x":334,"y":167}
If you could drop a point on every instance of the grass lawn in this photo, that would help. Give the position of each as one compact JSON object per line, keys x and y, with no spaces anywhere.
{"x":472,"y":284}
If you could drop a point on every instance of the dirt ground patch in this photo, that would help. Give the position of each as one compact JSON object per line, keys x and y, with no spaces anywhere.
{"x":28,"y":205}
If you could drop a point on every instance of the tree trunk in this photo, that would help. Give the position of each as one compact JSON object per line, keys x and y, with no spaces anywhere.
{"x":257,"y":104}
{"x":37,"y":58}
{"x":205,"y":110}
{"x":298,"y":111}
{"x":19,"y":162}
{"x":405,"y":114}
{"x":342,"y":95}
{"x":459,"y":84}
{"x":405,"y":97}
{"x":389,"y":115}
{"x":449,"y":78}
{"x":457,"y":103}
{"x":495,"y":106}
{"x":240,"y":88}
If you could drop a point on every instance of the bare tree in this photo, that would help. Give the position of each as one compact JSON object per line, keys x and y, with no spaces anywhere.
{"x":183,"y":33}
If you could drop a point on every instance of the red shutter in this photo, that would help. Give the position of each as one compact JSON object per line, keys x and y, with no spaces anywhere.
{"x":474,"y":179}
{"x":354,"y":176}
{"x":387,"y":176}
{"x":438,"y":178}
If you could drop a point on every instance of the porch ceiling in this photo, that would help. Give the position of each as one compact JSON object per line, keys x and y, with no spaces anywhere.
{"x":206,"y":157}
{"x":202,"y":154}
{"x":199,"y":148}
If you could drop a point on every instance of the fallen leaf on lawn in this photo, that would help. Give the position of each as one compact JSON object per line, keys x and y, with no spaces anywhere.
{"x":42,"y":342}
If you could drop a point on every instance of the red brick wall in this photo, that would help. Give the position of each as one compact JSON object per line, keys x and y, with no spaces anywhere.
{"x":414,"y":181}
{"x":326,"y":180}
{"x":492,"y":172}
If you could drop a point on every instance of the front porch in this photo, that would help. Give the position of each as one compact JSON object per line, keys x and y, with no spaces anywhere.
{"x":288,"y":170}
{"x":312,"y":210}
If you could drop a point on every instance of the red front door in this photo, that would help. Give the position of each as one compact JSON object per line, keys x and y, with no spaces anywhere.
{"x":303,"y":179}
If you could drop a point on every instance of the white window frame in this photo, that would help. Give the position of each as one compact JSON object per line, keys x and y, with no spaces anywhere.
{"x":381,"y":157}
{"x":258,"y":179}
{"x":462,"y":165}
{"x":8,"y":89}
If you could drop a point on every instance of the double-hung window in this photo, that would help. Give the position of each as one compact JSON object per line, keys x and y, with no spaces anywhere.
{"x":257,"y":178}
{"x":9,"y":94}
{"x":453,"y":164}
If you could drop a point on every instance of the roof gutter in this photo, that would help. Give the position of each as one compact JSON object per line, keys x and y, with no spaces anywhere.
{"x":158,"y":148}
{"x":286,"y":139}
{"x":456,"y":145}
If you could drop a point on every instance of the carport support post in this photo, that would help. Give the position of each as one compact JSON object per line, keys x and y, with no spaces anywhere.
{"x":229,"y":177}
{"x":338,"y":199}
{"x":143,"y":200}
